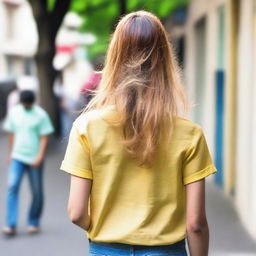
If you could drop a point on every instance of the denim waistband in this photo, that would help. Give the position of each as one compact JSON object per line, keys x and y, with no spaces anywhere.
{"x":99,"y":247}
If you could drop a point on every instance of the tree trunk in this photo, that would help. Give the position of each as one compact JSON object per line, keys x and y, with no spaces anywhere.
{"x":48,"y":23}
{"x":46,"y":77}
{"x":46,"y":74}
{"x":121,"y":12}
{"x":122,"y":7}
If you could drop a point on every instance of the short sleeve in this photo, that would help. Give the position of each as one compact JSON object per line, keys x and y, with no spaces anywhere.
{"x":77,"y":157}
{"x":9,"y":125}
{"x":45,"y":126}
{"x":198,"y":162}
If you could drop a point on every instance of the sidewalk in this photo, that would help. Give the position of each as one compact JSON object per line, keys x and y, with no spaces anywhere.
{"x":227,"y":235}
{"x":60,"y":238}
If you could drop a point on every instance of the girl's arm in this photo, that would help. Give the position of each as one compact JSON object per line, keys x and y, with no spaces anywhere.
{"x":197,"y":227}
{"x":80,"y":189}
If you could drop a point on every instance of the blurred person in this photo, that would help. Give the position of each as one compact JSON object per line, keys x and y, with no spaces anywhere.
{"x":12,"y":98}
{"x":91,"y":85}
{"x":28,"y":126}
{"x":24,"y":82}
{"x":66,"y":118}
{"x":137,"y":167}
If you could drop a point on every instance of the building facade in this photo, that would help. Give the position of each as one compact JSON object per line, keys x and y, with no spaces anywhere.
{"x":18,"y":39}
{"x":219,"y":67}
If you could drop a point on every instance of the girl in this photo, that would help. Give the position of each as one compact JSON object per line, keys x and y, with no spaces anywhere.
{"x":140,"y":164}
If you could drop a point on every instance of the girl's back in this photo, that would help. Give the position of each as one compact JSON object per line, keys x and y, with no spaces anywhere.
{"x":130,"y":203}
{"x":141,"y":166}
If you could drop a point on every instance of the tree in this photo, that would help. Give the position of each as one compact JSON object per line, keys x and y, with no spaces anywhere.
{"x":48,"y":23}
{"x":101,"y":16}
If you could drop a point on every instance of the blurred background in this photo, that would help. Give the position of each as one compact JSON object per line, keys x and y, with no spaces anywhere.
{"x":54,"y":48}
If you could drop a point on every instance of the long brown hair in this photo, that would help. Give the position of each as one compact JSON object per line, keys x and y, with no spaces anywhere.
{"x":141,"y":80}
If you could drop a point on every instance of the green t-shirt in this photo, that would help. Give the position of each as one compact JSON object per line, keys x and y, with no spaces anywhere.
{"x":27,"y":126}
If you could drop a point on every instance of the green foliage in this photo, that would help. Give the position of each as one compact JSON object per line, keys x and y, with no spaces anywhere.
{"x":100,"y":16}
{"x":50,"y":5}
{"x":161,"y":8}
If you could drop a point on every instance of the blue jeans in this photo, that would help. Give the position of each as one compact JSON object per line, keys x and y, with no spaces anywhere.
{"x":16,"y":172}
{"x":116,"y":249}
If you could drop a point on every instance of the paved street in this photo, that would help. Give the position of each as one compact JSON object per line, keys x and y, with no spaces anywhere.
{"x":228,"y":237}
{"x":60,"y":238}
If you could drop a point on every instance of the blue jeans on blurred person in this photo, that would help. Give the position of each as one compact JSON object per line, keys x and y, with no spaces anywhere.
{"x":16,"y":172}
{"x":117,"y":249}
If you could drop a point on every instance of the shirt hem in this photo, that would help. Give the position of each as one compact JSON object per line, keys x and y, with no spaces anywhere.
{"x":82,"y":173}
{"x":200,"y":175}
{"x":23,"y":160}
{"x":46,"y":133}
{"x":8,"y":130}
{"x":130,"y":242}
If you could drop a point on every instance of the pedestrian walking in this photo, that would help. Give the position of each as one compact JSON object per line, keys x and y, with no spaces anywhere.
{"x":28,"y":126}
{"x":137,"y":168}
{"x":90,"y":86}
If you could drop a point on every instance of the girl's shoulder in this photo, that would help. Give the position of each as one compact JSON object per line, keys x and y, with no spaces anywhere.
{"x":94,"y":117}
{"x":186,"y":126}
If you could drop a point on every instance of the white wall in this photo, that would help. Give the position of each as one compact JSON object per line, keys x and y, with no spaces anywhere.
{"x":24,"y":38}
{"x":245,"y":187}
{"x":253,"y":178}
{"x":2,"y":35}
{"x":246,"y":128}
{"x":199,"y":9}
{"x":22,"y":42}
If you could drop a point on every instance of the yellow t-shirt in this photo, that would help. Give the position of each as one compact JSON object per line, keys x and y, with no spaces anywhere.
{"x":128,"y":203}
